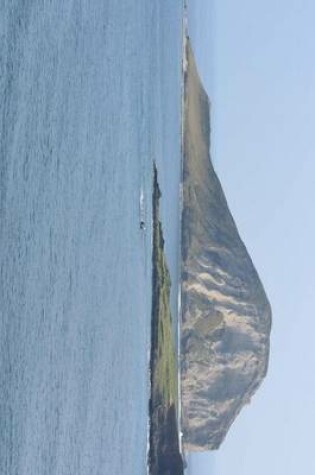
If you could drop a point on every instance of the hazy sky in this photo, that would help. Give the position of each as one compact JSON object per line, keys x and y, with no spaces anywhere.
{"x":257,"y":62}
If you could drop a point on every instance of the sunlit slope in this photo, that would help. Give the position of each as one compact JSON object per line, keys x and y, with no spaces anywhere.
{"x":226,"y":315}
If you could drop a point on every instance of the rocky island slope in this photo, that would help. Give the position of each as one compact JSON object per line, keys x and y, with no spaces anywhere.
{"x":226,"y":317}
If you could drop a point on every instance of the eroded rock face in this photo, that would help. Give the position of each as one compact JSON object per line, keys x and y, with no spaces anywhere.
{"x":226,"y":316}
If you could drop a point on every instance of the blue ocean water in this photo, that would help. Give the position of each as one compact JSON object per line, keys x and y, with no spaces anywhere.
{"x":90,"y":97}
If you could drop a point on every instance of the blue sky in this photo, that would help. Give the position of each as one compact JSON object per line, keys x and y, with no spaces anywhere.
{"x":256,"y":60}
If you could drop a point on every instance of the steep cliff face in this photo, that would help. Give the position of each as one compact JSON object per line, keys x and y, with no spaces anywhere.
{"x":226,"y":316}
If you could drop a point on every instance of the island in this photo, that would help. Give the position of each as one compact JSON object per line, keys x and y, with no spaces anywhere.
{"x":226,"y":316}
{"x":164,"y":452}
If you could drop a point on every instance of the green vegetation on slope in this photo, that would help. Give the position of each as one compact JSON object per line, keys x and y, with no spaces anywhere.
{"x":164,"y":455}
{"x":165,"y":379}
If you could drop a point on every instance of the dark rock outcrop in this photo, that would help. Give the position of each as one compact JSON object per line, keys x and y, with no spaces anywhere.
{"x":226,"y":317}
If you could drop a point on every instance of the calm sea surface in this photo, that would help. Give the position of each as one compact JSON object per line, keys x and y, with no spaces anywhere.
{"x":89,"y":97}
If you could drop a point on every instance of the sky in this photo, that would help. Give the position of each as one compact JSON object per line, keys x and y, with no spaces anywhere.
{"x":256,"y":60}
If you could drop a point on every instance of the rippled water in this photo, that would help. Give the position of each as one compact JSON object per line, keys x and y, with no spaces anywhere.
{"x":90,"y":96}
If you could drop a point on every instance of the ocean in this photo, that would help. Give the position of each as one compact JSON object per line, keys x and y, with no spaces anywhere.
{"x":90,"y":98}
